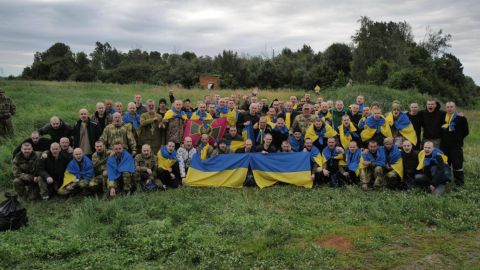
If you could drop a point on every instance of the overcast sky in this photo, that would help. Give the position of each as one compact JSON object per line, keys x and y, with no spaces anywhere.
{"x":208,"y":27}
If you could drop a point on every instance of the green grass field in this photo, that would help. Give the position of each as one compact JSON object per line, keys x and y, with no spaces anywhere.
{"x":281,"y":227}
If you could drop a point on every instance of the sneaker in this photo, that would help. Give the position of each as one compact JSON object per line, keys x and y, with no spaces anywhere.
{"x":45,"y":198}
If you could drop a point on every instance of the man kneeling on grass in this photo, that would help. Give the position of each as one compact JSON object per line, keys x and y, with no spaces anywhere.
{"x":434,"y":170}
{"x":373,"y":166}
{"x":79,"y":175}
{"x":120,"y":168}
{"x":168,"y":168}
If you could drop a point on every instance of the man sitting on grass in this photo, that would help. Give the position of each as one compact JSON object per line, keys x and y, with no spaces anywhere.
{"x":120,"y":168}
{"x":434,"y":171}
{"x":79,"y":175}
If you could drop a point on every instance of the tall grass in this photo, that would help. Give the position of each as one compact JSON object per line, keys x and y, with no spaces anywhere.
{"x":283,"y":227}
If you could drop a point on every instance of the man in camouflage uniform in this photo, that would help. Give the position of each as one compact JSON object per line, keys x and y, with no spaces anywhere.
{"x":149,"y":131}
{"x":175,"y":123}
{"x":99,"y":159}
{"x":7,"y":110}
{"x":25,"y":170}
{"x":146,"y":167}
{"x":303,"y":121}
{"x":119,"y":131}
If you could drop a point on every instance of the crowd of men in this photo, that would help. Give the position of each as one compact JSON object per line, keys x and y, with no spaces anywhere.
{"x":117,"y":151}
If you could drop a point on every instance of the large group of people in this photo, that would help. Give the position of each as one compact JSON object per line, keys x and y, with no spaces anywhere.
{"x":117,"y":151}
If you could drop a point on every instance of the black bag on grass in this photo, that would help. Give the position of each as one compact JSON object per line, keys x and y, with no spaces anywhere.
{"x":12,"y":214}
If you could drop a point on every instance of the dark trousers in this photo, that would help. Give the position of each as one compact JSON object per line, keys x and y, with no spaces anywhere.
{"x":166,"y":177}
{"x":455,"y":159}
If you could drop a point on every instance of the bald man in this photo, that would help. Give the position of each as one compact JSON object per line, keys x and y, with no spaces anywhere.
{"x":454,"y":131}
{"x":56,"y":129}
{"x":85,"y":133}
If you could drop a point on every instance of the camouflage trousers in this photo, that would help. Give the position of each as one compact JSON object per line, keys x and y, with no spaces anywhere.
{"x":126,"y":183}
{"x":26,"y":187}
{"x":6,"y":127}
{"x":372,"y":176}
{"x":84,"y":185}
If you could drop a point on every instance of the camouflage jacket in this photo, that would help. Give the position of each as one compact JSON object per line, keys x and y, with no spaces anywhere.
{"x":7,"y":108}
{"x":100,"y":161}
{"x":25,"y":166}
{"x":301,"y":122}
{"x":142,"y":164}
{"x":122,"y":133}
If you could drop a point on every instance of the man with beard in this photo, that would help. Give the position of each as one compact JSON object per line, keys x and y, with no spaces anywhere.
{"x":85,"y":133}
{"x":118,"y":131}
{"x":150,"y":128}
{"x":175,"y":118}
{"x":146,"y":168}
{"x":24,"y":170}
{"x":56,"y":129}
{"x":99,"y":159}
{"x":120,"y":170}
{"x":38,"y":143}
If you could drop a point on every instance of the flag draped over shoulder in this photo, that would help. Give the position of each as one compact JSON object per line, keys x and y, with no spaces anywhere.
{"x":424,"y":161}
{"x":229,"y":170}
{"x":86,"y":172}
{"x":373,"y":126}
{"x":278,"y":167}
{"x":195,"y":128}
{"x":115,"y":170}
{"x":394,"y":159}
{"x":404,"y":126}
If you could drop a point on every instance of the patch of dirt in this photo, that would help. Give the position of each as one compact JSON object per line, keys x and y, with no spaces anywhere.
{"x":339,"y":243}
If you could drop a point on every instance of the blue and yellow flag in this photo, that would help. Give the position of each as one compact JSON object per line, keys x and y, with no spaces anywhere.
{"x":229,"y":170}
{"x":269,"y":169}
{"x":404,"y":126}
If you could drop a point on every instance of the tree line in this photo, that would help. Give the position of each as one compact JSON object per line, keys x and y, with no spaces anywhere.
{"x":381,"y":53}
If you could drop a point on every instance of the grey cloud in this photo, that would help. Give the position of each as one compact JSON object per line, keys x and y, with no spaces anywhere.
{"x":207,"y":27}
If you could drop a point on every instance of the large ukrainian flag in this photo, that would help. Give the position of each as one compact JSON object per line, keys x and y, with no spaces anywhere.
{"x":291,"y":168}
{"x":229,"y":170}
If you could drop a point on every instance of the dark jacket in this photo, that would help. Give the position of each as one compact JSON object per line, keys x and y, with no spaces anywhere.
{"x":455,"y":138}
{"x":93,"y":133}
{"x":42,"y":145}
{"x":56,"y":134}
{"x":102,"y":122}
{"x":410,"y":163}
{"x":260,"y":148}
{"x":53,"y":167}
{"x":432,"y":123}
{"x":244,"y":117}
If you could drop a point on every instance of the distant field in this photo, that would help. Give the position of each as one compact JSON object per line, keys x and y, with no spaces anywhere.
{"x":281,"y":227}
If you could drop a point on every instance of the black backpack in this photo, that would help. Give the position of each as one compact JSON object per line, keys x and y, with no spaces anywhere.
{"x":12,"y":214}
